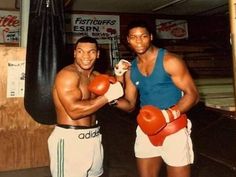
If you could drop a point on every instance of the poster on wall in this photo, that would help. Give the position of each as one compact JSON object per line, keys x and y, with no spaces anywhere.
{"x":9,"y":26}
{"x":15,"y":79}
{"x":171,"y":29}
{"x":101,"y":27}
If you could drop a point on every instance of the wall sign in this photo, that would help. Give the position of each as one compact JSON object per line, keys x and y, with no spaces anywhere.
{"x":101,"y":27}
{"x":16,"y":79}
{"x":171,"y":29}
{"x":9,"y":26}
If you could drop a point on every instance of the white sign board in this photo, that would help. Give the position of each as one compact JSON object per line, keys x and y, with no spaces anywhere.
{"x":16,"y":79}
{"x":101,"y":27}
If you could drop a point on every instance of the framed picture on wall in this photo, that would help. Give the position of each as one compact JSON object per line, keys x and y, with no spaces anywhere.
{"x":171,"y":29}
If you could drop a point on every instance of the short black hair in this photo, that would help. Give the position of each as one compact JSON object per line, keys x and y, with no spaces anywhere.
{"x":138,"y":23}
{"x":88,"y":39}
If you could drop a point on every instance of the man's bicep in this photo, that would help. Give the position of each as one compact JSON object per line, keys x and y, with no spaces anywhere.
{"x":183,"y":79}
{"x":179,"y":72}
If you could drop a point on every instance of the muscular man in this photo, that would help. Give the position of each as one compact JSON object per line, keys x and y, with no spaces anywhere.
{"x":166,"y":91}
{"x":75,"y":144}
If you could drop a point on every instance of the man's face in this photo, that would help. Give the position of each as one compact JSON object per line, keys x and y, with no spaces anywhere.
{"x":139,"y":39}
{"x":85,"y":55}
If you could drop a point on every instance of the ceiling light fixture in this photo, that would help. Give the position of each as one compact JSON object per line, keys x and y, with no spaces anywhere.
{"x":168,"y":4}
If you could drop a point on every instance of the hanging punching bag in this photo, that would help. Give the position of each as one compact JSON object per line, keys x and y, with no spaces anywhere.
{"x":44,"y":58}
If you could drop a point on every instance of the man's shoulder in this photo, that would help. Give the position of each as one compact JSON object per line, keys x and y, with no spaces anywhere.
{"x":68,"y":68}
{"x":172,"y":61}
{"x":170,"y":55}
{"x":67,"y":72}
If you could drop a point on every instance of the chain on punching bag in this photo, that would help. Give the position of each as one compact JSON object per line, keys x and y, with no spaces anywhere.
{"x":45,"y":49}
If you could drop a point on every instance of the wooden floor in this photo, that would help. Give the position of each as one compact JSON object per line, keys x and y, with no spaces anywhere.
{"x":32,"y":172}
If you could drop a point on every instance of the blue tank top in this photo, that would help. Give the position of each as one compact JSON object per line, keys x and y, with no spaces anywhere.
{"x":156,"y":89}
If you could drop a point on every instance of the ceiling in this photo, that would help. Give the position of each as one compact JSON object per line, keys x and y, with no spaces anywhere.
{"x":162,"y":7}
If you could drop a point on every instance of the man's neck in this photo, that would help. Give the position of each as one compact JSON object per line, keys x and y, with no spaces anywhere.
{"x":82,"y":72}
{"x":149,"y":55}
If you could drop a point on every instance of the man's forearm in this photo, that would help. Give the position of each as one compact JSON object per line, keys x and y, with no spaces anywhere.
{"x":125,"y":105}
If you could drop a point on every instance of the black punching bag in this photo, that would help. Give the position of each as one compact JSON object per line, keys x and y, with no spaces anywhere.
{"x":44,"y":58}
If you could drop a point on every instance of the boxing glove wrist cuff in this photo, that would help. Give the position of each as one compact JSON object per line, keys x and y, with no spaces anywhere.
{"x":171,"y":113}
{"x":114,"y":92}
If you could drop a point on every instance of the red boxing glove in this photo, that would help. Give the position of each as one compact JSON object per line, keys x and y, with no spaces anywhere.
{"x":170,"y":128}
{"x":152,"y":120}
{"x":100,"y":84}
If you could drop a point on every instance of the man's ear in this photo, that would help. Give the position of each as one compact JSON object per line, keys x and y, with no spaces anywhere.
{"x":127,"y":38}
{"x":151,"y":37}
{"x":98,"y":53}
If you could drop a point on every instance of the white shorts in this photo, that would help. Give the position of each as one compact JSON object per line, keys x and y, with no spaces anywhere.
{"x":176,"y":149}
{"x":76,"y":152}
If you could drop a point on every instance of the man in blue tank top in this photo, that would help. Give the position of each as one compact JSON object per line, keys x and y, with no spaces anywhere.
{"x":166,"y":91}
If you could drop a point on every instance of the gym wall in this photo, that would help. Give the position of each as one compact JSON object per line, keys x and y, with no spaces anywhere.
{"x":23,"y":141}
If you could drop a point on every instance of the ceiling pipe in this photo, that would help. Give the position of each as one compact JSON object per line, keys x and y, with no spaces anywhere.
{"x":167,"y":5}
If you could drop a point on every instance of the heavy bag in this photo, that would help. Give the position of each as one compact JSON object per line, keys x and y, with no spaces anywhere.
{"x":44,"y":58}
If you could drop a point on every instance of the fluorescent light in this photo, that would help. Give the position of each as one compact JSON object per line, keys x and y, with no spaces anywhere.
{"x":168,"y":4}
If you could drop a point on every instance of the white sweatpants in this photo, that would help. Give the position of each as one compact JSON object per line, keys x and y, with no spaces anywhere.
{"x":76,"y":152}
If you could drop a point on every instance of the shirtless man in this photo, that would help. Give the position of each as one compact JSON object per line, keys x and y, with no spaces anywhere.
{"x":75,"y":146}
